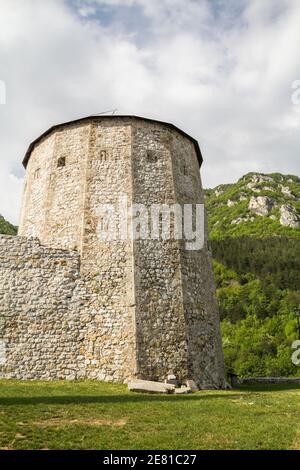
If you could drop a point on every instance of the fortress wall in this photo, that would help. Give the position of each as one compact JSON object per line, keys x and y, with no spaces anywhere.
{"x":112,"y":309}
{"x":66,"y":188}
{"x":202,"y":319}
{"x":97,"y":171}
{"x":39,"y":331}
{"x":38,"y":173}
{"x":161,"y":337}
{"x":54,"y":196}
{"x":53,"y":323}
{"x":198,"y":287}
{"x":107,"y":266}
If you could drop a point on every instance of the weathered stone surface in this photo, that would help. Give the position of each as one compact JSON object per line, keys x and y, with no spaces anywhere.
{"x":192,"y":385}
{"x":182,"y":390}
{"x":231,"y":203}
{"x":148,"y":386}
{"x":259,"y":179}
{"x":289,"y":217}
{"x":240,"y":220}
{"x":171,"y":379}
{"x":287,"y":191}
{"x":77,"y":306}
{"x":261,"y":205}
{"x":219,"y":192}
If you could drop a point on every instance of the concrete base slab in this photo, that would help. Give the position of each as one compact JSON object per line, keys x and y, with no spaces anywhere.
{"x":182,"y":391}
{"x":148,"y":386}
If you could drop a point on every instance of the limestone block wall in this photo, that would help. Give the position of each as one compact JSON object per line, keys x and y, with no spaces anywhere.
{"x":120,"y":308}
{"x":53,"y":323}
{"x":108,"y":265}
{"x":177,"y":313}
{"x":198,"y":286}
{"x":33,"y":214}
{"x":161,"y":329}
{"x":54,"y":195}
{"x":37,"y":324}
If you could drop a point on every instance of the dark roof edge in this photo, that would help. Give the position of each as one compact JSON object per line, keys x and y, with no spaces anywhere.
{"x":57,"y":126}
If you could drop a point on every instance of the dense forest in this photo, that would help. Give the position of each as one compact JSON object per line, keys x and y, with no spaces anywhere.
{"x":257,"y":272}
{"x":274,"y":260}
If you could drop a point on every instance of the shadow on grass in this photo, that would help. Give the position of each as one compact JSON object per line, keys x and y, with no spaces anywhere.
{"x":236,"y":393}
{"x":134,"y":398}
{"x":267,"y":387}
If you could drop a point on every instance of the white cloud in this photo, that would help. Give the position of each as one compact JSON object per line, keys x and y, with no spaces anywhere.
{"x":221,"y":72}
{"x":86,"y":11}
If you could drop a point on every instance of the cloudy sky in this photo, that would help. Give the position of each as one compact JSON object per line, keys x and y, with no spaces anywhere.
{"x":222,"y":70}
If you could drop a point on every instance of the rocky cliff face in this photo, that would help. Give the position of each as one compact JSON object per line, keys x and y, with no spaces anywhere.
{"x":257,"y":204}
{"x":261,"y":205}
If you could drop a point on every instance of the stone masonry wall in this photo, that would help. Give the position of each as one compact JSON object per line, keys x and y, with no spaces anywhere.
{"x":53,"y":323}
{"x":177,"y":313}
{"x":161,"y":330}
{"x":54,"y":195}
{"x":37,"y":323}
{"x":107,"y":265}
{"x":76,"y":306}
{"x":198,"y":286}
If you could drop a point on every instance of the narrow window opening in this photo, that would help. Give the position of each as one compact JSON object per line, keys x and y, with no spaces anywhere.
{"x":37,"y":174}
{"x":103,"y":156}
{"x":61,"y":162}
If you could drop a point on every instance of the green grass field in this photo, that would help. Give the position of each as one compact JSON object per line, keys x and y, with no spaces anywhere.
{"x":93,"y":415}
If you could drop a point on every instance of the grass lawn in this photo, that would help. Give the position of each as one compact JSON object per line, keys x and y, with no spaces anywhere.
{"x":95,"y":415}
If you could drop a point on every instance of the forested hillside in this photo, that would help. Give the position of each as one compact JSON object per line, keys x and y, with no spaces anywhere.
{"x":7,"y":228}
{"x":255,"y":237}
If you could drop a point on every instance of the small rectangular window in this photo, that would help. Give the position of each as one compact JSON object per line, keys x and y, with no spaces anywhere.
{"x":183,"y":168}
{"x":37,"y":174}
{"x":61,"y":162}
{"x":103,"y":155}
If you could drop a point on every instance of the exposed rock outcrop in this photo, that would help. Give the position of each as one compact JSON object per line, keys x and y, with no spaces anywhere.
{"x":261,"y":205}
{"x":219,"y":192}
{"x":256,"y":198}
{"x":258,"y":179}
{"x":239,"y":220}
{"x":231,"y":203}
{"x":287,"y":191}
{"x":289,"y":217}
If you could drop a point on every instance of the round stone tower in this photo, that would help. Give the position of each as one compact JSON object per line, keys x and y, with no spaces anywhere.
{"x":154,"y":299}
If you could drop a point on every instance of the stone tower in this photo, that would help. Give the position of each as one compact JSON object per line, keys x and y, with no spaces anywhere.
{"x":133,"y":307}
